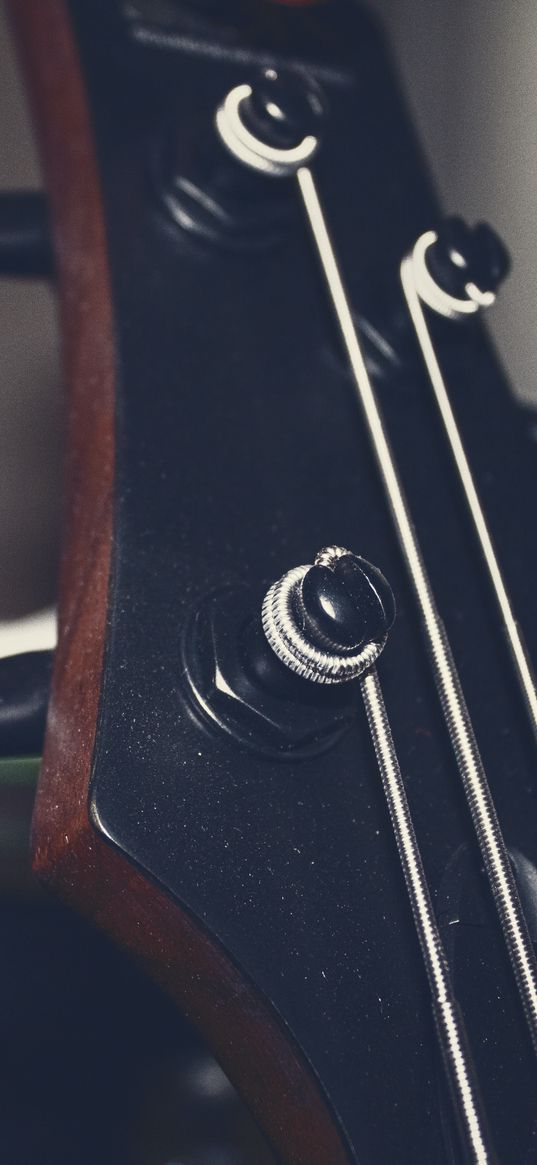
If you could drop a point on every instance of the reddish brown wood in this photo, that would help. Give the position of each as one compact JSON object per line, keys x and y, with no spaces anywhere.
{"x":68,"y":854}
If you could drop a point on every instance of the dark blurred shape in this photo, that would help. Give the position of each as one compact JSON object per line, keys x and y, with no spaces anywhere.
{"x":97,"y":1064}
{"x":24,"y":692}
{"x":464,"y":254}
{"x":25,"y":244}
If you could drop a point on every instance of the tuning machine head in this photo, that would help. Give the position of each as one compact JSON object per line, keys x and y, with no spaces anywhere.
{"x":269,"y":127}
{"x":283,"y":107}
{"x":329,"y":622}
{"x":458,"y":269}
{"x":273,"y":126}
{"x":277,"y":676}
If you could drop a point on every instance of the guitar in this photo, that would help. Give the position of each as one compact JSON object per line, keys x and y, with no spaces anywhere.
{"x":273,"y":346}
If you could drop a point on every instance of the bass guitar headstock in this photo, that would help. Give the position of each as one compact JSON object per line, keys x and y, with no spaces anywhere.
{"x":249,"y":382}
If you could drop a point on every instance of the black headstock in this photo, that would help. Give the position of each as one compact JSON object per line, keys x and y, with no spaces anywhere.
{"x":238,"y":449}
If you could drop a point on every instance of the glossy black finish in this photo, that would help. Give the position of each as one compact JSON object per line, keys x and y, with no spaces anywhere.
{"x":208,"y":193}
{"x":24,"y":692}
{"x":464,"y":254}
{"x":236,"y":685}
{"x":240,"y":450}
{"x":350,"y":603}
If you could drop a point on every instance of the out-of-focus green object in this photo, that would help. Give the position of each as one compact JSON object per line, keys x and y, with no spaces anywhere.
{"x":19,"y":771}
{"x":18,"y":779}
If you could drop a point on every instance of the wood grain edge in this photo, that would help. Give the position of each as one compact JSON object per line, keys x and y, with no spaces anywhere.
{"x":68,"y":854}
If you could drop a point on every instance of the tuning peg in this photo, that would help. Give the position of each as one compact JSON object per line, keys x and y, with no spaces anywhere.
{"x":329,"y":622}
{"x":463,"y":255}
{"x":219,"y":190}
{"x":273,"y":126}
{"x":256,"y":672}
{"x":283,"y":107}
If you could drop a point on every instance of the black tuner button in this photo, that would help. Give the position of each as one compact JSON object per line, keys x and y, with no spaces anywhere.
{"x":283,"y":108}
{"x":275,"y":678}
{"x":463,"y":255}
{"x":328,"y":623}
{"x":347,"y":602}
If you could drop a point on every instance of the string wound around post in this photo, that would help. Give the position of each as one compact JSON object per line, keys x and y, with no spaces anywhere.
{"x":274,"y":126}
{"x":457,"y":269}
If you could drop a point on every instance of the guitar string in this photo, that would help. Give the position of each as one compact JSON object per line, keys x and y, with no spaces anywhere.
{"x":521,"y":662}
{"x":256,"y":154}
{"x":456,"y":715}
{"x":449,"y":1022}
{"x":326,"y":664}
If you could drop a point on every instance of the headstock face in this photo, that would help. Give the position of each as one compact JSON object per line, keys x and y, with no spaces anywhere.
{"x":238,"y":450}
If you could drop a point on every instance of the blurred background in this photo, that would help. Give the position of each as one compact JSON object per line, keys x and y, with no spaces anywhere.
{"x":469,"y":71}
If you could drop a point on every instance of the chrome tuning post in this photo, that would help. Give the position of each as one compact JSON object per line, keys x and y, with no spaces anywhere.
{"x":457,"y":270}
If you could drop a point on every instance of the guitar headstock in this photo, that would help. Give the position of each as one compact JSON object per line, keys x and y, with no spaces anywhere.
{"x":243,"y":851}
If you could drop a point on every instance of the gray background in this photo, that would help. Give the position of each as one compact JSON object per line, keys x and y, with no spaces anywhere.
{"x":470,"y":72}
